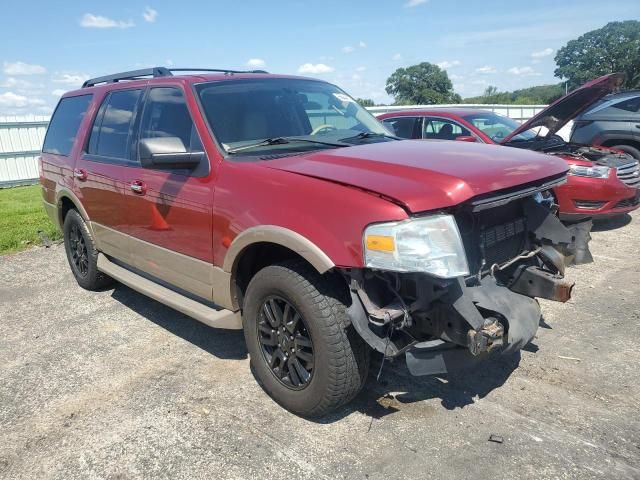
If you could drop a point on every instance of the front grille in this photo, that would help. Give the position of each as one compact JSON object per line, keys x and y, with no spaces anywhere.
{"x":588,"y":204}
{"x":630,"y":174}
{"x":628,"y":202}
{"x":496,"y":235}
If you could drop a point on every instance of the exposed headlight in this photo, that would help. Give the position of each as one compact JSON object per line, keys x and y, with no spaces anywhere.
{"x":594,"y":172}
{"x":431,"y":244}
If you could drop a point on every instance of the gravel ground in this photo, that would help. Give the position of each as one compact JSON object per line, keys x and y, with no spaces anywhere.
{"x":114,"y":385}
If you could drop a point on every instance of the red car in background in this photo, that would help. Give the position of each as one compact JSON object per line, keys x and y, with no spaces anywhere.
{"x":601,"y":181}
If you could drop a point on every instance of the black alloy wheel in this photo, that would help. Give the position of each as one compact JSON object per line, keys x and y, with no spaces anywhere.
{"x":285,"y":343}
{"x":78,"y":250}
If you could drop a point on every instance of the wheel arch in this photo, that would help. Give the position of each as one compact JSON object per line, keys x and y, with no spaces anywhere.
{"x":67,"y":200}
{"x":260,"y":246}
{"x":610,"y":141}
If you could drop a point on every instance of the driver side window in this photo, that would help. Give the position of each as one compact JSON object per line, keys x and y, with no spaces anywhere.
{"x":166,"y":115}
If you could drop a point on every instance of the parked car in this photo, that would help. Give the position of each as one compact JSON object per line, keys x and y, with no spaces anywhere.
{"x":278,"y":205}
{"x":614,"y":122}
{"x":601,"y":182}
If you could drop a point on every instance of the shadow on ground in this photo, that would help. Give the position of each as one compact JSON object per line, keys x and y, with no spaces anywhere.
{"x":227,"y":344}
{"x":395,"y":390}
{"x":612,"y":223}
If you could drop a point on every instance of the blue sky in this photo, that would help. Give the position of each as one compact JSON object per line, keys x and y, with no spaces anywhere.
{"x":49,"y":47}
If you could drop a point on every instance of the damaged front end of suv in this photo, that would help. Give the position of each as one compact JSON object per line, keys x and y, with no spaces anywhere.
{"x":450,"y":288}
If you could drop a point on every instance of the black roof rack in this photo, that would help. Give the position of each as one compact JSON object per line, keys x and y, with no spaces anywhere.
{"x":156,"y":72}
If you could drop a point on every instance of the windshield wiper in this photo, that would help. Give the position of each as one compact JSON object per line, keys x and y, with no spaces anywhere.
{"x":363,"y":135}
{"x":282,"y":141}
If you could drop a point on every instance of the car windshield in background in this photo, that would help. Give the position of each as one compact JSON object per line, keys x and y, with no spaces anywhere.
{"x":255,"y":116}
{"x":498,"y":127}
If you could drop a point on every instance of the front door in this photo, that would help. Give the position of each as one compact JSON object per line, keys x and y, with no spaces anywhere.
{"x":169,"y":212}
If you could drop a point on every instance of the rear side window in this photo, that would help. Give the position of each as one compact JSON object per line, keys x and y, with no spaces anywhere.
{"x":404,"y":127}
{"x":441,"y":129}
{"x":166,"y":115}
{"x":64,"y":125}
{"x":630,"y":105}
{"x":112,"y":129}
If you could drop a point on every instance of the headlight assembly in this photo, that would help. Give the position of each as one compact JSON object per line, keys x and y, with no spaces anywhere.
{"x":594,"y":172}
{"x":431,"y":245}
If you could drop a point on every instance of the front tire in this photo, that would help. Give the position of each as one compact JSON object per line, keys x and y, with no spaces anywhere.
{"x":82,"y":253}
{"x":303,"y":349}
{"x":634,"y":152}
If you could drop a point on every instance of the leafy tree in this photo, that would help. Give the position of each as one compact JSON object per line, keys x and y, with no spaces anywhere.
{"x":366,"y":102}
{"x":490,"y":91}
{"x":612,"y":48}
{"x":422,"y":84}
{"x":539,"y":95}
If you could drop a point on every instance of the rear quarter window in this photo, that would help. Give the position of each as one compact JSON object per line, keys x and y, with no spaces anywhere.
{"x":65,"y":123}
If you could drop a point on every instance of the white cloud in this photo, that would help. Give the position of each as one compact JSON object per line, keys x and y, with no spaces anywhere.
{"x":542,"y":53}
{"x":315,"y":69}
{"x":256,"y":63}
{"x":21,"y":68}
{"x":58,"y":92}
{"x":414,"y":3}
{"x":12,"y":82}
{"x":453,"y":76}
{"x":361,"y":44}
{"x":348,"y":49}
{"x":396,"y":57}
{"x":73,"y":79}
{"x":523,"y":71}
{"x":487,"y":69}
{"x":361,"y":69}
{"x":90,"y":20}
{"x":446,"y":64}
{"x":10,"y":99}
{"x":150,"y":15}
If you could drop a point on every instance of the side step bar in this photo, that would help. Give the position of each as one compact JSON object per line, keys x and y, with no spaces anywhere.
{"x":209,"y":316}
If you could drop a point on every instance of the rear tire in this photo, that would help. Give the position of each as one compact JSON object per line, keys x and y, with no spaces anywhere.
{"x":314,"y":331}
{"x":634,"y":152}
{"x":82,"y":253}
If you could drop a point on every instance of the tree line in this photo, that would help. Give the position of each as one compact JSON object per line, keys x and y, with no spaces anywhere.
{"x":612,"y":48}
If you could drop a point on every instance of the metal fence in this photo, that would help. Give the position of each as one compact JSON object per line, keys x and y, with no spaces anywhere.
{"x":517,"y":112}
{"x":20,"y":144}
{"x":21,"y":138}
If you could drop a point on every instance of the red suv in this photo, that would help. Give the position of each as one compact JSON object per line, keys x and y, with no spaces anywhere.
{"x":277,"y":205}
{"x":601,"y":182}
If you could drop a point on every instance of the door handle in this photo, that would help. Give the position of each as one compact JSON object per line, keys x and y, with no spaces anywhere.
{"x":138,"y":187}
{"x":637,"y":125}
{"x":80,"y":174}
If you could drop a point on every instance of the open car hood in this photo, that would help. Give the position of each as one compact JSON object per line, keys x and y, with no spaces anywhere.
{"x":556,"y":115}
{"x":425,"y":175}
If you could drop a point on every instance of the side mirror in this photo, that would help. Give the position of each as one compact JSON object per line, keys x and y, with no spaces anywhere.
{"x":167,"y":152}
{"x":466,"y":138}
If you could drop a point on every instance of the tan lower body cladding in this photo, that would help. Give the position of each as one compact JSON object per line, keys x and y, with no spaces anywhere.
{"x":186,"y":273}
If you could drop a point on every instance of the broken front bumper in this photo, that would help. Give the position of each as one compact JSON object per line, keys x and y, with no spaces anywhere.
{"x":469,"y":323}
{"x":520,"y":315}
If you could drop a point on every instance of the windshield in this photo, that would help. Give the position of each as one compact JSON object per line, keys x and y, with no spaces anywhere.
{"x":270,"y":111}
{"x":498,"y":127}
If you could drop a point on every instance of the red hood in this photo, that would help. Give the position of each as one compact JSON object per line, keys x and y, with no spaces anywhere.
{"x":425,"y":175}
{"x":556,"y":115}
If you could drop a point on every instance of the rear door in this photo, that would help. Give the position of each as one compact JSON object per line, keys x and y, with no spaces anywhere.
{"x":169,"y":212}
{"x":103,"y":167}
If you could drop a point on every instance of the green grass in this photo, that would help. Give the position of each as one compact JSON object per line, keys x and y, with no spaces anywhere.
{"x":21,"y":216}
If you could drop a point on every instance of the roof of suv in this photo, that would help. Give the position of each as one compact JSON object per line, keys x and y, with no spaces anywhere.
{"x":163,"y":74}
